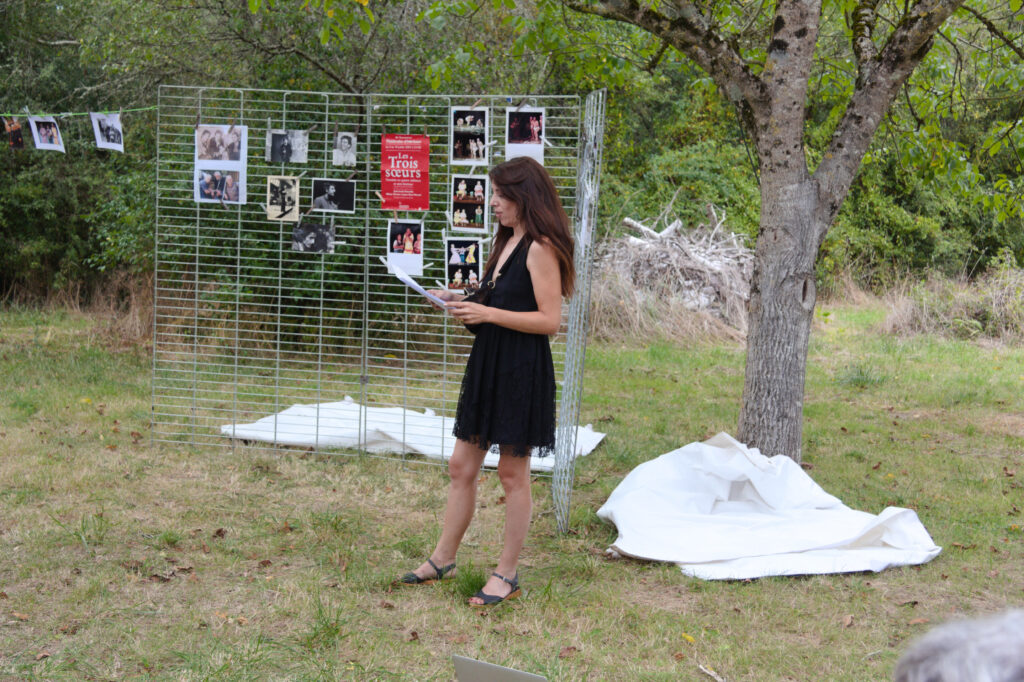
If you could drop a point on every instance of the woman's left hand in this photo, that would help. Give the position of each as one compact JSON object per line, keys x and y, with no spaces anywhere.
{"x":470,"y":313}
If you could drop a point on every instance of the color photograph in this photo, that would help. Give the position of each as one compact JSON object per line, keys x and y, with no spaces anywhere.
{"x":468,"y":136}
{"x":468,"y":203}
{"x":46,"y":133}
{"x":217,"y":185}
{"x":463,"y":264}
{"x":405,"y":245}
{"x":220,"y":143}
{"x":524,"y":133}
{"x":15,"y":139}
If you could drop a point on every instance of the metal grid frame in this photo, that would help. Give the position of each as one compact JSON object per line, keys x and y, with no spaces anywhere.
{"x":244,"y":327}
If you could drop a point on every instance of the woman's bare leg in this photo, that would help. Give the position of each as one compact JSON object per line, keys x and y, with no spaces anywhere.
{"x":464,"y":470}
{"x":514,"y":473}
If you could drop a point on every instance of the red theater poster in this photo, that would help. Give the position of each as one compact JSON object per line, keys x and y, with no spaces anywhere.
{"x":404,"y":171}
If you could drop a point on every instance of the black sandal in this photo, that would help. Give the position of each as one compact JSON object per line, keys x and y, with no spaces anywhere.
{"x":492,"y":599}
{"x":411,"y":578}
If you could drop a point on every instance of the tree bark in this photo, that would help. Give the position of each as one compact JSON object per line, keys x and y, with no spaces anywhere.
{"x":781,"y":308}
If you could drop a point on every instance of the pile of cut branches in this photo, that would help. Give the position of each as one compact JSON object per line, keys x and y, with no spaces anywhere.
{"x":672,"y":283}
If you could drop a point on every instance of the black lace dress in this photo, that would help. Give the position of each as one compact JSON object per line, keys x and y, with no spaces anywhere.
{"x":508,"y":391}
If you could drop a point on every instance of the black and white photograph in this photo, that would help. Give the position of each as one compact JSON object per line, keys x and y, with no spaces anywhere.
{"x":313,"y":237}
{"x":46,"y":133}
{"x":468,"y":204}
{"x":15,"y":139}
{"x":217,"y":185}
{"x":334,"y":196}
{"x":283,"y":198}
{"x":287,"y":146}
{"x":405,"y":245}
{"x":108,"y":131}
{"x":469,"y":143}
{"x":462,"y":263}
{"x":221,"y":143}
{"x":344,"y":150}
{"x":524,"y":133}
{"x":220,"y":163}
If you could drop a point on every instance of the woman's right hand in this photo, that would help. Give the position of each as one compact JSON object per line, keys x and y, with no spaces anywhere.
{"x":444,"y":295}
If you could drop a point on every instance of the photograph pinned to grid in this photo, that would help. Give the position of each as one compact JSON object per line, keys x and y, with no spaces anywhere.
{"x":287,"y":146}
{"x":215,"y":185}
{"x":463,"y":263}
{"x":344,"y":151}
{"x":468,"y":143}
{"x":283,"y":198}
{"x":334,"y":195}
{"x":220,"y":163}
{"x":524,"y":133}
{"x":313,"y":237}
{"x":405,"y":245}
{"x":468,"y":203}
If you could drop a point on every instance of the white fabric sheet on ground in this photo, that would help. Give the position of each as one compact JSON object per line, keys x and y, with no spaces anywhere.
{"x":723,"y":511}
{"x":385,"y":429}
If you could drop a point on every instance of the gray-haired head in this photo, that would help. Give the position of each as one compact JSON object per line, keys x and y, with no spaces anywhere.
{"x":982,"y":650}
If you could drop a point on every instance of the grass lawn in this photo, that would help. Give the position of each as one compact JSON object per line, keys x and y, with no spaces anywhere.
{"x":119,"y":559}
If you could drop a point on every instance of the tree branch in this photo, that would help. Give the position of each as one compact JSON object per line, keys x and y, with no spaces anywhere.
{"x":884,"y":75}
{"x":693,"y":35}
{"x":994,"y":30}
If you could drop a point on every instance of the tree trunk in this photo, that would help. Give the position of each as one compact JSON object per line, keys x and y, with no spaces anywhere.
{"x":781,"y":308}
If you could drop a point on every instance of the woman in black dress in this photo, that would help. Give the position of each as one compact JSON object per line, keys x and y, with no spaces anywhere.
{"x":508,"y":391}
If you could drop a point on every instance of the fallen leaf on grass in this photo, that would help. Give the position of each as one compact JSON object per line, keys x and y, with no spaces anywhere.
{"x":136,"y":437}
{"x":219,"y":533}
{"x":161,"y":577}
{"x":679,"y":655}
{"x":19,"y":616}
{"x":1009,"y":473}
{"x":918,"y":621}
{"x":806,"y":466}
{"x":458,"y":639}
{"x":111,"y":447}
{"x":414,"y":636}
{"x":689,"y":638}
{"x":908,"y":602}
{"x":265,"y":563}
{"x":3,"y":595}
{"x":242,"y":620}
{"x":384,"y":604}
{"x":42,"y":654}
{"x":68,"y":628}
{"x":960,"y":545}
{"x":567,"y":652}
{"x":848,"y":620}
{"x":993,"y":574}
{"x":206,"y":548}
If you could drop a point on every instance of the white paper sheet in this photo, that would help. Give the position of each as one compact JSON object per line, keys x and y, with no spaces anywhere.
{"x":414,"y":285}
{"x":722,"y":511}
{"x":387,"y":429}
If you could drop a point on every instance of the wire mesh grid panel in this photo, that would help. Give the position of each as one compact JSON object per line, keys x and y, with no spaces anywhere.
{"x":277,"y":321}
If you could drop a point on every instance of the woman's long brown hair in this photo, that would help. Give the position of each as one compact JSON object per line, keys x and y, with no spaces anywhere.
{"x":527,"y":184}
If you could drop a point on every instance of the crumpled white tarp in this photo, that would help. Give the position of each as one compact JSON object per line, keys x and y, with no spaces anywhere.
{"x":722,"y":511}
{"x":386,"y":429}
